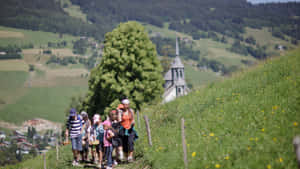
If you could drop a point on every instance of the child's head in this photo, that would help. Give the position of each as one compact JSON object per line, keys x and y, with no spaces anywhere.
{"x":106,"y":125}
{"x":97,"y":119}
{"x":113,"y":115}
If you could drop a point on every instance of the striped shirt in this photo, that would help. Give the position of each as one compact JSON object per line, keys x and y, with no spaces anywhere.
{"x":74,"y":126}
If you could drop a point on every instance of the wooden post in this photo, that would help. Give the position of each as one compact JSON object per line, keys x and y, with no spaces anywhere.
{"x":184,"y":144}
{"x":148,"y":130}
{"x":296,"y":143}
{"x":138,"y":118}
{"x":44,"y":156}
{"x":57,"y":151}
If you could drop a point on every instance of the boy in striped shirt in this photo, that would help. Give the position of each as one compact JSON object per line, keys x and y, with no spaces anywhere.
{"x":74,"y":127}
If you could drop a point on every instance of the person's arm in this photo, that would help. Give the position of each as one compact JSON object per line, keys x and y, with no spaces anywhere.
{"x":132,"y":121}
{"x":67,"y":131}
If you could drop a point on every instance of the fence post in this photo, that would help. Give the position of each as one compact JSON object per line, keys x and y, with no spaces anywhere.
{"x":148,"y":130}
{"x":57,"y":151}
{"x":44,"y":156}
{"x":138,"y":118}
{"x":184,"y":144}
{"x":296,"y":143}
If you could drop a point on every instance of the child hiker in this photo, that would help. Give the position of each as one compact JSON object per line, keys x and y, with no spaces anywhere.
{"x":116,"y":140}
{"x":86,"y":127}
{"x":96,"y":140}
{"x":108,"y":135}
{"x":74,"y":126}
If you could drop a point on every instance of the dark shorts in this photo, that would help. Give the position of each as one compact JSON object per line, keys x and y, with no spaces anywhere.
{"x":77,"y":143}
{"x":128,"y":141}
{"x":100,"y":147}
{"x":117,"y":141}
{"x":85,"y":147}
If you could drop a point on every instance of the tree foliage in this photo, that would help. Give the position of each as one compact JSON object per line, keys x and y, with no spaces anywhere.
{"x":129,"y":68}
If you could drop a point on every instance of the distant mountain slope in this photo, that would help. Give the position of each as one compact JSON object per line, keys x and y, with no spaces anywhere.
{"x":228,"y":17}
{"x":46,"y":16}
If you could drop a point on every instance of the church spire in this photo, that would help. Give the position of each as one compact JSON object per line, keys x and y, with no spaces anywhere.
{"x":177,"y":47}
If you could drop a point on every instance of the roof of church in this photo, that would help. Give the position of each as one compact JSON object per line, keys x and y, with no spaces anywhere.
{"x":177,"y":63}
{"x":168,"y":75}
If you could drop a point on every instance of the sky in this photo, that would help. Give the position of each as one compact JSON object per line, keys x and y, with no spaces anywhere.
{"x":269,"y":1}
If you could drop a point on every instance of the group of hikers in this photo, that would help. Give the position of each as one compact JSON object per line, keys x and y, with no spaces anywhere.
{"x":115,"y":135}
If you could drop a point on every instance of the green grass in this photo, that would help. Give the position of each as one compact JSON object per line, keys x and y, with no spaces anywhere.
{"x":198,"y":78}
{"x":264,"y":37}
{"x":11,"y":80}
{"x":44,"y":102}
{"x":11,"y":86}
{"x":248,"y":118}
{"x":37,"y":38}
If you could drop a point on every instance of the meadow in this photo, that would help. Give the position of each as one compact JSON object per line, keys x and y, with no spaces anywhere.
{"x":247,"y":121}
{"x":19,"y":37}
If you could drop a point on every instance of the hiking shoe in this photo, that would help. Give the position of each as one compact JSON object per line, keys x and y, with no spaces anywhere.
{"x":115,"y":162}
{"x":108,"y":168}
{"x":74,"y":163}
{"x":130,"y":159}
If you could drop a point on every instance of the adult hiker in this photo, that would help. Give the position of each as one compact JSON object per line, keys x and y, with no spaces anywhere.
{"x":127,"y":129}
{"x":74,"y":127}
{"x":86,"y":127}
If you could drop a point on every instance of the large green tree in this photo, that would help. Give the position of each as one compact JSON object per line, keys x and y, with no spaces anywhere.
{"x":129,"y":68}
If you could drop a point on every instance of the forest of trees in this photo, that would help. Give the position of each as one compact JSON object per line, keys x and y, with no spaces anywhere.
{"x":225,"y":17}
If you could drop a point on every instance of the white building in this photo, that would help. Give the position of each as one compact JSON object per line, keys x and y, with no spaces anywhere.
{"x":175,"y":85}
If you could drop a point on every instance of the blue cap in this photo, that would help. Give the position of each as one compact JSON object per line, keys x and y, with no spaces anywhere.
{"x":73,"y":112}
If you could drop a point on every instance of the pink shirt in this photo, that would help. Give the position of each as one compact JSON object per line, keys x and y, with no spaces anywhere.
{"x":107,"y":133}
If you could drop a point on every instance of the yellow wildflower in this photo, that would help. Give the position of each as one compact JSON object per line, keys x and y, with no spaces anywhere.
{"x":249,"y":148}
{"x":193,"y":154}
{"x":275,"y":107}
{"x":217,"y":165}
{"x":269,"y":166}
{"x":256,"y":139}
{"x":217,"y":138}
{"x":295,"y":124}
{"x":211,"y":134}
{"x":226,"y":158}
{"x":263,"y":129}
{"x":280,"y":160}
{"x":274,"y":139}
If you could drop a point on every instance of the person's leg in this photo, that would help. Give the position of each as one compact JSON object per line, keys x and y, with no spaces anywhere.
{"x":131,"y":146}
{"x":125,"y":146}
{"x":79,"y":146}
{"x":109,"y":156}
{"x":73,"y":142}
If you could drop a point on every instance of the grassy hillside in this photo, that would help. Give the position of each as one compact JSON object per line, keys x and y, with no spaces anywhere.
{"x":19,"y":37}
{"x":248,"y":121}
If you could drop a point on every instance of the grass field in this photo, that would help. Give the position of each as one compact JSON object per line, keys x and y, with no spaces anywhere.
{"x":248,"y":121}
{"x":11,"y":86}
{"x":198,"y":78}
{"x":13,"y":65}
{"x":48,"y":103}
{"x":13,"y":36}
{"x":264,"y":37}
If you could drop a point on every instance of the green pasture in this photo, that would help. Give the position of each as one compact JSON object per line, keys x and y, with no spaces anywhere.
{"x":25,"y":37}
{"x":247,"y":121}
{"x":41,"y":102}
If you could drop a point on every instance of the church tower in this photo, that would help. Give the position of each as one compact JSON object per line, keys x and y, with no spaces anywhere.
{"x":175,"y":85}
